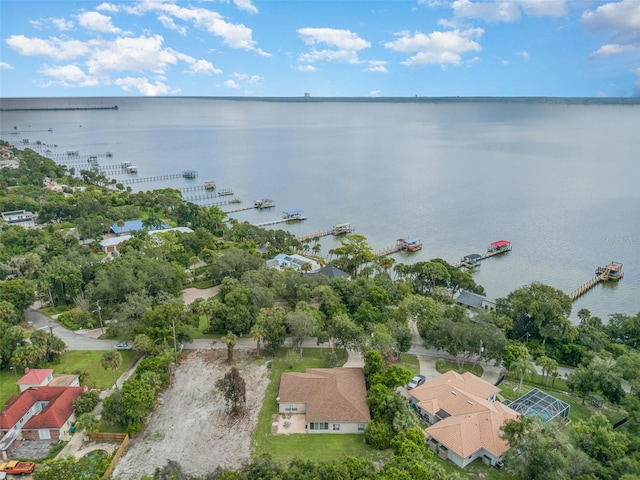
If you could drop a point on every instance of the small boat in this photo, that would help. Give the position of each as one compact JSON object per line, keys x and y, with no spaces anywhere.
{"x":50,"y":129}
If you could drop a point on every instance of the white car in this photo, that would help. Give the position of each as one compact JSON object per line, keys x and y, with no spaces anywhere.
{"x":416,"y":382}
{"x":123,"y":346}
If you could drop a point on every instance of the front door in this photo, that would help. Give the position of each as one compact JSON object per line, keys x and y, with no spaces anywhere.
{"x":45,"y":434}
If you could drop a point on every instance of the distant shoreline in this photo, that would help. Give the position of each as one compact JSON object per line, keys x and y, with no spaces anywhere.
{"x":115,"y":107}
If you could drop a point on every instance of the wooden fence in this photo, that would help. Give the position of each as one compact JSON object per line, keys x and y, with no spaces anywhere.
{"x":123,"y":438}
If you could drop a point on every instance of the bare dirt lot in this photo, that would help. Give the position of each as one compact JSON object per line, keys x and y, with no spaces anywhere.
{"x":191,"y":424}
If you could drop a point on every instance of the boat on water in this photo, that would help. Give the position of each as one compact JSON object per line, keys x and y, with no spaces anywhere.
{"x":264,"y":203}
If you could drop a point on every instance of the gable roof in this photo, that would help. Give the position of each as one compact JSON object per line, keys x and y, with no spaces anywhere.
{"x":466,"y":434}
{"x":471,"y":299}
{"x":56,"y":412}
{"x":330,"y":394}
{"x":35,"y":376}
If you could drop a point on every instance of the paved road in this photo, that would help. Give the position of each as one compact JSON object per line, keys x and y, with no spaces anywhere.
{"x":73,"y":340}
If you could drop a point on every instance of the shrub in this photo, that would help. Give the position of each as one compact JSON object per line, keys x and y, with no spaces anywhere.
{"x":86,"y":402}
{"x":378,"y":434}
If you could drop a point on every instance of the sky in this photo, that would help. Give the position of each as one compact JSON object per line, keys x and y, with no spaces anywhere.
{"x":326,"y":48}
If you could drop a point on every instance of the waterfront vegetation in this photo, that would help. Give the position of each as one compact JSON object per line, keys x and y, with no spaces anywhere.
{"x":139,"y":291}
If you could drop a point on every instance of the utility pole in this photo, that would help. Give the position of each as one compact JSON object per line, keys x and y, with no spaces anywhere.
{"x":175,"y":344}
{"x":100,"y":316}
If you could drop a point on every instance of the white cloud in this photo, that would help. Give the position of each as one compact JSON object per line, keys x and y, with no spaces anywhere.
{"x":234,"y":35}
{"x":636,"y":86}
{"x":523,"y":55}
{"x":62,"y":24}
{"x":612,"y":49}
{"x":52,"y":47}
{"x":96,"y":21}
{"x":68,"y":76}
{"x":306,"y":68}
{"x":203,"y":67}
{"x":132,"y":54}
{"x":508,"y":10}
{"x":167,"y":22}
{"x":108,"y":7}
{"x":5,"y":66}
{"x":622,"y":19}
{"x":238,"y":78}
{"x":231,"y":84}
{"x":377,"y":66}
{"x":344,"y":45}
{"x":374,"y":93}
{"x":246,"y":5}
{"x":445,"y":48}
{"x":144,"y":86}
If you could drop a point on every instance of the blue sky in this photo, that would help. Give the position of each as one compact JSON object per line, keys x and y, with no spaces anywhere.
{"x":328,"y":48}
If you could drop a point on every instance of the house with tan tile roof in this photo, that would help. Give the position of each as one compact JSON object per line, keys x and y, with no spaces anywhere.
{"x":333,"y":400}
{"x":465,"y":419}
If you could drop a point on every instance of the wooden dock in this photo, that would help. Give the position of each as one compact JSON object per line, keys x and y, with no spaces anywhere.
{"x":473,"y":260}
{"x":613,"y":271}
{"x":257,"y":204}
{"x":339,"y":229}
{"x":288,"y":216}
{"x":402,"y":244}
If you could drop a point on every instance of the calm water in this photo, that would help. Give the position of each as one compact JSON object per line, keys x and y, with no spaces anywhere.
{"x":559,"y":179}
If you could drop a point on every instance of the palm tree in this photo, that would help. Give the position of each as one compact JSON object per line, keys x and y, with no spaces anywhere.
{"x":230,"y":340}
{"x":258,"y":333}
{"x":111,"y":361}
{"x":523,"y":366}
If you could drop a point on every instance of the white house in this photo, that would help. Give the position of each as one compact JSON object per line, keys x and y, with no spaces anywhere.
{"x":295,"y":261}
{"x":333,"y":400}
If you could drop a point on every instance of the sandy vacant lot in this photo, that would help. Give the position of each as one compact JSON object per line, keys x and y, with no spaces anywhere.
{"x":190,"y":294}
{"x":191,"y":424}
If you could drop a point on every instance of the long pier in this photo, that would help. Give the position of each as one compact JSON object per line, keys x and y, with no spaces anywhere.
{"x":473,"y":260}
{"x":613,"y":271}
{"x":402,"y":244}
{"x":340,"y":229}
{"x":152,"y":179}
{"x":288,"y":216}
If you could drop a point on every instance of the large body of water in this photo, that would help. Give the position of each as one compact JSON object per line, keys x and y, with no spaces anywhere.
{"x":560,"y":179}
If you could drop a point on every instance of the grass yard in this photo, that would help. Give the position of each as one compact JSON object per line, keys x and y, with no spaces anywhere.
{"x":577,"y":411}
{"x":76,"y":361}
{"x":8,"y":387}
{"x":411,"y":362}
{"x":88,"y":361}
{"x":321,"y":447}
{"x":443,"y":366}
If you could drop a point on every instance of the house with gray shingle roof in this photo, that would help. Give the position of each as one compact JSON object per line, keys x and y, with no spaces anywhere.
{"x":333,"y":400}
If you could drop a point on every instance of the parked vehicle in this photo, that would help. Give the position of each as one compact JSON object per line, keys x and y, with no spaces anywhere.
{"x":123,"y":346}
{"x":416,"y":382}
{"x":17,"y":468}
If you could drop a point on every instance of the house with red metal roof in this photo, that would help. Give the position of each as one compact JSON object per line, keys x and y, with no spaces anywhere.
{"x":42,"y":413}
{"x":37,"y":377}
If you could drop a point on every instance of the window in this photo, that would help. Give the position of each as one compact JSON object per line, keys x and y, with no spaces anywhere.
{"x":319,"y":426}
{"x":290,"y":408}
{"x":336,"y":427}
{"x":361,"y":427}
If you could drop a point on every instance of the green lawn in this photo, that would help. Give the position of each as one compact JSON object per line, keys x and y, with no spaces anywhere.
{"x":321,"y":447}
{"x":577,"y":411}
{"x":411,"y":362}
{"x":88,"y":361}
{"x":75,"y":361}
{"x":8,"y":387}
{"x":443,"y":366}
